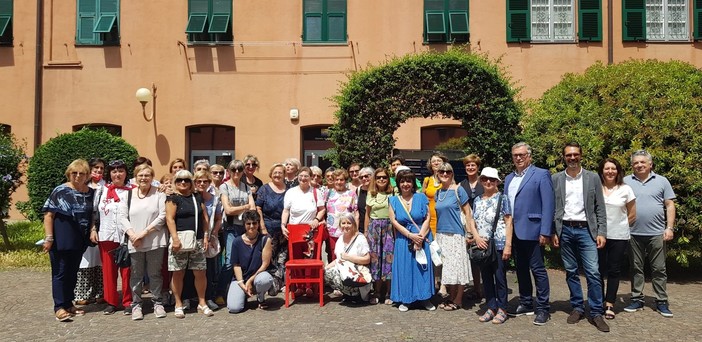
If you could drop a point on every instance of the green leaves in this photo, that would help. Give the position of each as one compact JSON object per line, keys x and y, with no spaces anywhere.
{"x":374,"y":102}
{"x":12,"y":168}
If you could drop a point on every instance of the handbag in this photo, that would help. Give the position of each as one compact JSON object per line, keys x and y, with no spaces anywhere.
{"x":121,"y":254}
{"x":435,"y":250}
{"x":351,"y":274}
{"x":489,"y":255}
{"x":188,"y":238}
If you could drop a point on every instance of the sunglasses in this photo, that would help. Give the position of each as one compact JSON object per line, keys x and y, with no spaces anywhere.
{"x":486,"y":179}
{"x":217,"y":172}
{"x":354,"y":171}
{"x":251,"y":165}
{"x":183,"y":180}
{"x":77,"y":174}
{"x":445,"y":172}
{"x":381,"y":177}
{"x":364,"y":177}
{"x":241,"y":169}
{"x":116,"y":164}
{"x":202,"y":181}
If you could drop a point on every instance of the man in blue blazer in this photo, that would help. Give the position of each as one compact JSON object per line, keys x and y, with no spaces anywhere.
{"x":581,"y":228}
{"x":530,"y":192}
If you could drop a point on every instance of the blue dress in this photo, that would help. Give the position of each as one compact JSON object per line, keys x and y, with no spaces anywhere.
{"x":410,"y":281}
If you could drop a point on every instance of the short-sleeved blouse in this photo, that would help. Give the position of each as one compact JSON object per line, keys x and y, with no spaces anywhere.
{"x":484,"y":215}
{"x":73,"y":211}
{"x":337,"y":203}
{"x":448,"y":210}
{"x":272,"y":205}
{"x":378,"y":205}
{"x":617,"y":215}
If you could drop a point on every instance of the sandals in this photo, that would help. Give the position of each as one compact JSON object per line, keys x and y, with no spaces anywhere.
{"x":609,"y":312}
{"x":500,"y":318}
{"x":74,"y":311}
{"x":488,"y":316}
{"x":178,"y":312}
{"x":263,"y":305}
{"x":389,"y":302}
{"x":373,"y":300}
{"x":205,"y":310}
{"x":63,"y":316}
{"x":450,"y":306}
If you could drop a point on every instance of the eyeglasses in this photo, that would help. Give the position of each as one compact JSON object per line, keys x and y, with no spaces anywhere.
{"x":251,"y":165}
{"x":251,"y":223}
{"x":202,"y":181}
{"x":116,"y":164}
{"x":381,"y":177}
{"x":183,"y":180}
{"x":486,"y":180}
{"x":519,"y":155}
{"x":317,"y":176}
{"x":364,"y":177}
{"x":354,"y":171}
{"x":217,"y":172}
{"x":77,"y":174}
{"x":240,"y":169}
{"x":445,"y":172}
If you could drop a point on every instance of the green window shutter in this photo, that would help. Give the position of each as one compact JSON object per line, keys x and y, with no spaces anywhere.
{"x":633,"y":20}
{"x":697,"y":19}
{"x":198,"y":13}
{"x":590,"y":20}
{"x":104,"y":23}
{"x":87,"y":13}
{"x":458,"y":5}
{"x":108,"y":16}
{"x":312,"y":20}
{"x":458,"y":21}
{"x":336,"y":21}
{"x":435,"y":23}
{"x":221,"y":15}
{"x":518,"y":21}
{"x":5,"y":15}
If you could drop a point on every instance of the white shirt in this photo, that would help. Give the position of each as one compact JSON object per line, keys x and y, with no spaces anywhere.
{"x":110,"y":222}
{"x":302,"y":206}
{"x":617,"y":215}
{"x":360,"y":247}
{"x":515,"y":183}
{"x":574,"y":209}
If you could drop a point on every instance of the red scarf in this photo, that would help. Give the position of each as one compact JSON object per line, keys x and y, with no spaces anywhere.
{"x":112,"y":191}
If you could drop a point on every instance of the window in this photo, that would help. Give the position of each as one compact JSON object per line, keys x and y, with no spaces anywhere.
{"x":5,"y":22}
{"x":553,"y":20}
{"x":324,"y":21}
{"x":5,"y":129}
{"x":446,"y":21}
{"x":657,"y":20}
{"x":697,"y":16}
{"x":97,"y":22}
{"x":212,"y":142}
{"x":209,"y":21}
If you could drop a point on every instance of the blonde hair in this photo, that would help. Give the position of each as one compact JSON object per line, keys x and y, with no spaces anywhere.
{"x":78,"y":165}
{"x":349,"y":217}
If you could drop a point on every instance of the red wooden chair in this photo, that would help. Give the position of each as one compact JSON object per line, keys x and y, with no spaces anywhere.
{"x":299,"y":270}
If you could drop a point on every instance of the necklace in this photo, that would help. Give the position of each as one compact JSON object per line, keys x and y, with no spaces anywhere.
{"x":438,"y":195}
{"x":147,"y":192}
{"x":250,"y":241}
{"x":437,"y":182}
{"x":407,"y":202}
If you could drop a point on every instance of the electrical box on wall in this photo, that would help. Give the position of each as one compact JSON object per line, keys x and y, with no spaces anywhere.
{"x":294,"y":114}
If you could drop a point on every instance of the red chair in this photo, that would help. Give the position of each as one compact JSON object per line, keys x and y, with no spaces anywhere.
{"x":298,"y":269}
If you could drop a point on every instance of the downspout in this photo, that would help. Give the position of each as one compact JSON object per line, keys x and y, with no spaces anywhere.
{"x":39,"y":74}
{"x":610,"y":34}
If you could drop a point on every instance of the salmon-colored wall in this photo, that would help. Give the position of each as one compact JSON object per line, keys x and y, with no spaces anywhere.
{"x":253,"y":83}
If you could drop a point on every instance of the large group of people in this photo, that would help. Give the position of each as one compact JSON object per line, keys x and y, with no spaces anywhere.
{"x":218,"y":236}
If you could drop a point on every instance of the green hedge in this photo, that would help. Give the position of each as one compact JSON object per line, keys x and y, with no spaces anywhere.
{"x":12,"y":168}
{"x":614,"y":110}
{"x":48,"y":165}
{"x":456,"y":84}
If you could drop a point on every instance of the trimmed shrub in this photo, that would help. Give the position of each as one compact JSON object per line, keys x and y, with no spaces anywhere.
{"x":12,"y":168}
{"x":611,"y":111}
{"x":48,"y":165}
{"x":456,"y":84}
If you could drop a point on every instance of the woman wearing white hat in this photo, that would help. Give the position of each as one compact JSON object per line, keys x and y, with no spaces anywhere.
{"x":495,"y":275}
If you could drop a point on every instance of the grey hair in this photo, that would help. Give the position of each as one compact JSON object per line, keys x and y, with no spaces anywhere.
{"x":366,"y":171}
{"x":316,"y":170}
{"x":293,"y":161}
{"x":639,"y":153}
{"x":201,"y":162}
{"x":522,"y":144}
{"x":236,"y":164}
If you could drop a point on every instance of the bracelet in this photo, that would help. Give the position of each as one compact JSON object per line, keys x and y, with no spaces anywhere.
{"x":317,"y":219}
{"x":240,"y":281}
{"x":93,"y":229}
{"x":49,"y":238}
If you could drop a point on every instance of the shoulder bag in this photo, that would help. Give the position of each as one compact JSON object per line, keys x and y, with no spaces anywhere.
{"x":121,"y":253}
{"x":188,"y":238}
{"x":351,"y":274}
{"x":489,"y":255}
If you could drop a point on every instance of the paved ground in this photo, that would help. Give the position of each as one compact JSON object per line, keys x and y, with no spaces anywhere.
{"x":26,"y":315}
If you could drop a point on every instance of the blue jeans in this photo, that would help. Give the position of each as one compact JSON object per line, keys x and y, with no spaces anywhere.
{"x":495,"y":283}
{"x":577,"y":244}
{"x":225,"y":275}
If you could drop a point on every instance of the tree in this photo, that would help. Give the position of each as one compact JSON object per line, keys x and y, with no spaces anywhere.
{"x":611,"y":111}
{"x":374,"y":102}
{"x":13,"y":163}
{"x":48,"y":165}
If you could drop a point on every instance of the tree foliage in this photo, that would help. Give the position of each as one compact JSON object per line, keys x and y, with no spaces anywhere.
{"x":374,"y":102}
{"x":13,"y":163}
{"x":611,"y":111}
{"x":48,"y":165}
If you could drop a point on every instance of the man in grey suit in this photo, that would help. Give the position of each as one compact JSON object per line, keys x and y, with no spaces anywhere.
{"x":580,"y":222}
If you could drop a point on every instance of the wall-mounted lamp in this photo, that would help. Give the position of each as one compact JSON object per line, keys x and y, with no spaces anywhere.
{"x":294,"y":114}
{"x":144,"y":95}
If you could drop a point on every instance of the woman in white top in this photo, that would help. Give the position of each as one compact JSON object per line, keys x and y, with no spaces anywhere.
{"x":620,"y":203}
{"x":143,"y":220}
{"x":352,"y":246}
{"x":109,"y":236}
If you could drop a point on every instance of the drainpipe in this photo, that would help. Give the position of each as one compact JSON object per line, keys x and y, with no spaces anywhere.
{"x":39,"y":74}
{"x":610,"y":34}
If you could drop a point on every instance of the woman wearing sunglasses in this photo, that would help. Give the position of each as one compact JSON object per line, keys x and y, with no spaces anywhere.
{"x":251,"y":165}
{"x":236,"y":198}
{"x":380,"y":234}
{"x":186,"y":211}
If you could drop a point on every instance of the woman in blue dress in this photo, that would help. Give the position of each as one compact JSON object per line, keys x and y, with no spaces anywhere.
{"x":409,"y":214}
